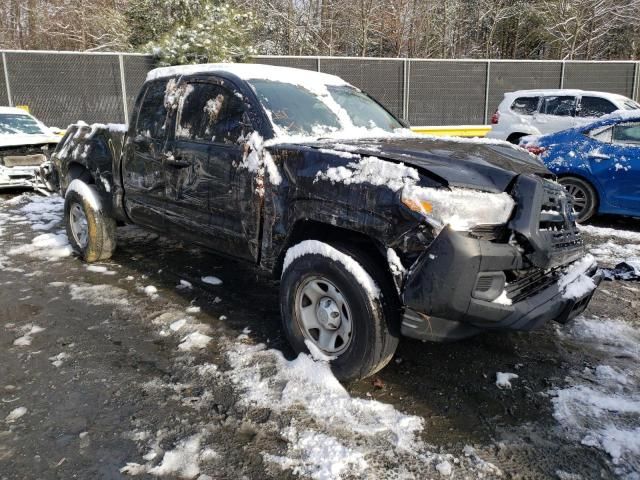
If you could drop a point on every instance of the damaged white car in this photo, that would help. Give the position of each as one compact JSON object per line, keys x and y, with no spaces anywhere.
{"x":25,"y":144}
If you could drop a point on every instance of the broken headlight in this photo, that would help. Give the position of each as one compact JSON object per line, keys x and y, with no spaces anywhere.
{"x":460,"y":208}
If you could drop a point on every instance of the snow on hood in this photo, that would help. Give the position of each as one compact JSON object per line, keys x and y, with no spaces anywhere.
{"x":18,"y":139}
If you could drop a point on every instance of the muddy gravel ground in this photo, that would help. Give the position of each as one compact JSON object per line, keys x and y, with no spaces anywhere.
{"x":137,"y":368}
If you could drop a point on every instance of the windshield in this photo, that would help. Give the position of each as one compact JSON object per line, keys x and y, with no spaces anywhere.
{"x":631,"y":105}
{"x":12,"y":123}
{"x":295,"y":110}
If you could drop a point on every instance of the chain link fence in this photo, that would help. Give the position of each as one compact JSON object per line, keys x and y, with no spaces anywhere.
{"x":63,"y":87}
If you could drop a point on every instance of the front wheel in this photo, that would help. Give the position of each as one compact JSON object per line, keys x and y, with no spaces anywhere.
{"x":91,"y":232}
{"x":336,"y":302}
{"x":585,"y":199}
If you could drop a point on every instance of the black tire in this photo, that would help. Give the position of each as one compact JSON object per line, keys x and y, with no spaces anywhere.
{"x":374,"y":336}
{"x":585,"y":197}
{"x":101,"y":228}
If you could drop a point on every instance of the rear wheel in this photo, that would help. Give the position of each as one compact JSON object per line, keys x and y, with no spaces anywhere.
{"x":91,"y":232}
{"x":585,"y":198}
{"x":336,"y":301}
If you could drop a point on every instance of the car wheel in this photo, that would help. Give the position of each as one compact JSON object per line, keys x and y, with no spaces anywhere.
{"x":585,"y":198}
{"x":336,"y":302}
{"x":91,"y":232}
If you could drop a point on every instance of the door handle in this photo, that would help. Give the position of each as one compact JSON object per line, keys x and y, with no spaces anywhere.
{"x":174,"y":161}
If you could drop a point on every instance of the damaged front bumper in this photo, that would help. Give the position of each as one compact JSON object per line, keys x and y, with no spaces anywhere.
{"x":459,"y":287}
{"x":26,"y":177}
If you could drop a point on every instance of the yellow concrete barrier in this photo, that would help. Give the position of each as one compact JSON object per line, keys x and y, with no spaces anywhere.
{"x":454,"y":130}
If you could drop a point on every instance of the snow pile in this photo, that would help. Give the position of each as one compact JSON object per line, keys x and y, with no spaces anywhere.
{"x":314,"y":247}
{"x":319,"y":456}
{"x":600,"y":406}
{"x":610,"y":233}
{"x":26,"y":339}
{"x":15,"y":414}
{"x":47,"y":246}
{"x":44,"y":213}
{"x":99,"y":294}
{"x":612,"y":253}
{"x":181,"y":462}
{"x":374,"y":171}
{"x":151,"y":291}
{"x":194,"y":341}
{"x":503,"y":380}
{"x":574,"y":283}
{"x":211,"y":280}
{"x":268,"y":380}
{"x":58,"y":360}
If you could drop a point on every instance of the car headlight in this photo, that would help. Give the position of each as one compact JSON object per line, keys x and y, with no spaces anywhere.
{"x":460,"y":208}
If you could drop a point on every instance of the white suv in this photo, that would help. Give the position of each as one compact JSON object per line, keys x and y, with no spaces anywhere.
{"x":538,"y":112}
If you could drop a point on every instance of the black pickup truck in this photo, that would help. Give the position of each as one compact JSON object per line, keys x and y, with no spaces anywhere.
{"x":374,"y":231}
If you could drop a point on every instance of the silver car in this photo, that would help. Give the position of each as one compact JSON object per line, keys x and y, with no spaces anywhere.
{"x":25,"y":144}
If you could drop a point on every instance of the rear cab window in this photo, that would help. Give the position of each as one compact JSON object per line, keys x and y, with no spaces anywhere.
{"x":152,"y":116}
{"x":559,"y":105}
{"x":525,"y":105}
{"x":595,"y":107}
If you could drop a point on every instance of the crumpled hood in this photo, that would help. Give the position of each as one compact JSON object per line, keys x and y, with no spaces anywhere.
{"x":19,"y":139}
{"x":482,"y":164}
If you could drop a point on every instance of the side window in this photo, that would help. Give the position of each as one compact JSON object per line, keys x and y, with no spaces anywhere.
{"x":627,"y":133}
{"x":595,"y":107}
{"x":525,"y":105}
{"x":211,"y":113}
{"x":153,"y":113}
{"x":561,"y":106}
{"x":602,"y":134}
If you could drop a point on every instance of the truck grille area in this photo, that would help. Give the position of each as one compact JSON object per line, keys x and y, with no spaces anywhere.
{"x":530,"y":283}
{"x":557,"y":220}
{"x":545,"y":223}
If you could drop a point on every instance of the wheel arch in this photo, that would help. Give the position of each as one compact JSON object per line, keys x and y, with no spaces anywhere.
{"x":589,"y":181}
{"x":305,"y":229}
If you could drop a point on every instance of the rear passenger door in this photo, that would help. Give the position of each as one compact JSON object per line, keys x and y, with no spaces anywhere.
{"x":201,"y":163}
{"x":557,"y":113}
{"x":142,"y":165}
{"x":615,"y":161}
{"x":593,"y":107}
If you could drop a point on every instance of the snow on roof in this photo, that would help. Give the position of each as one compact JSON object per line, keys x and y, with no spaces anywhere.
{"x":562,"y":91}
{"x":248,"y":71}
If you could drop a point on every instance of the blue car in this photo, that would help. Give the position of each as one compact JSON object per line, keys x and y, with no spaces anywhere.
{"x":598,"y":163}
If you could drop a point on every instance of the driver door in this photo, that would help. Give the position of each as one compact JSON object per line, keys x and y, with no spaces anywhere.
{"x":203,"y":164}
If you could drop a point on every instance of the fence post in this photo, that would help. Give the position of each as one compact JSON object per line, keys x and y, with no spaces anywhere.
{"x":562,"y":65}
{"x":405,"y":89}
{"x":6,"y":79}
{"x":486,"y":93}
{"x":123,"y":86}
{"x":318,"y":64}
{"x":634,"y":88}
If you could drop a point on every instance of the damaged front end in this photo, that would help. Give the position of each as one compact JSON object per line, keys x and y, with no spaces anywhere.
{"x":522,"y":265}
{"x":20,"y":167}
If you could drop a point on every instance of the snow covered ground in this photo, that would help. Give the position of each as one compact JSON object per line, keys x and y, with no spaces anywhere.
{"x":215,"y":393}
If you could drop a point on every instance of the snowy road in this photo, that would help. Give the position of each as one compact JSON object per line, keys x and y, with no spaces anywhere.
{"x":169,"y":362}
